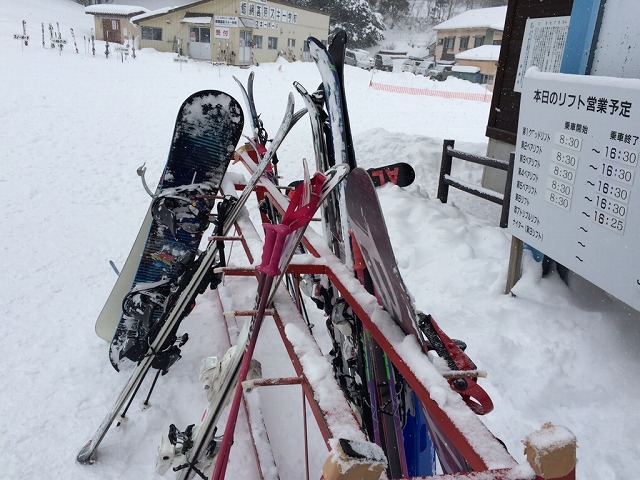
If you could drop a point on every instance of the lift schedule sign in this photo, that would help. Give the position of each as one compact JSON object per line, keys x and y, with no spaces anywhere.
{"x":575,"y":195}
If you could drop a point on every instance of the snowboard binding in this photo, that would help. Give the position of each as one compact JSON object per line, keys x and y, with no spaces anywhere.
{"x":184,"y":208}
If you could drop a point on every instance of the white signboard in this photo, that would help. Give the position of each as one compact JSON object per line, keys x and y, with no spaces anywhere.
{"x":542,"y":46}
{"x":221,"y":32}
{"x":225,"y":21}
{"x":575,"y":195}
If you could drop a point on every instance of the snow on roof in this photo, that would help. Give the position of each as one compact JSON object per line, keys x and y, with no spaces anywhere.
{"x":153,"y":13}
{"x":478,"y":18}
{"x":114,"y":9}
{"x":202,"y":19}
{"x":465,"y":69}
{"x":483,"y":52}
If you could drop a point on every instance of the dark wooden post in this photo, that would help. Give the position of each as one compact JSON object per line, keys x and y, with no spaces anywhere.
{"x":445,"y":169}
{"x":506,"y":202}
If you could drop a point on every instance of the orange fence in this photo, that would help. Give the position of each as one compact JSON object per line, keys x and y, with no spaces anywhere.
{"x":477,"y":97}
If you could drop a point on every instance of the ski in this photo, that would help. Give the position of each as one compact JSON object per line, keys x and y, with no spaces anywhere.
{"x":52,"y":36}
{"x":60,"y":41}
{"x":401,"y":174}
{"x":197,"y":447}
{"x":357,"y":358}
{"x":73,"y":35}
{"x":356,"y":355}
{"x":24,"y":37}
{"x":367,"y":223}
{"x":200,"y":279}
{"x":260,"y":136}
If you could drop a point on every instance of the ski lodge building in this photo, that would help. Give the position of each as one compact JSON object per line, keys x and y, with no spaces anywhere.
{"x":113,"y":22}
{"x":472,"y":39}
{"x":236,"y":32}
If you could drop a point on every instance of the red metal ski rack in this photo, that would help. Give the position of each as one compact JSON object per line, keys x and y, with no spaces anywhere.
{"x":460,"y":426}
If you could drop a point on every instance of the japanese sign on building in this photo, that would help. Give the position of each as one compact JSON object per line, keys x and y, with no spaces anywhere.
{"x":225,"y":21}
{"x":574,"y":195}
{"x":266,"y":16}
{"x":542,"y":46}
{"x":222,"y":26}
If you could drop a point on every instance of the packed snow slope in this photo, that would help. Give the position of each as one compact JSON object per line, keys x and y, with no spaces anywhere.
{"x":73,"y":130}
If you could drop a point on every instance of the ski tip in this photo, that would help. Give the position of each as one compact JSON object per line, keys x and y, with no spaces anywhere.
{"x":85,"y":457}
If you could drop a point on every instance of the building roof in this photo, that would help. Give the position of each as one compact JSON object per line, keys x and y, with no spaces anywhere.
{"x":479,"y":18}
{"x":125,"y":10}
{"x":153,"y":4}
{"x":185,"y":6}
{"x":483,"y":52}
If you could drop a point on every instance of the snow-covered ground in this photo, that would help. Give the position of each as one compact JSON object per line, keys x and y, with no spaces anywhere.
{"x":73,"y":130}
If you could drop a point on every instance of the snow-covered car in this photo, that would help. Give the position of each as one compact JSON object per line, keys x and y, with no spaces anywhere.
{"x":358,"y":58}
{"x":383,"y":62}
{"x":410,"y":65}
{"x":365,"y":61}
{"x":440,"y":72}
{"x":350,"y":57}
{"x":424,"y":67}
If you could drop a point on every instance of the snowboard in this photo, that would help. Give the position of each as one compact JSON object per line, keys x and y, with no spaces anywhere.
{"x":401,"y":174}
{"x":201,"y":275}
{"x":370,"y":231}
{"x":207,"y":129}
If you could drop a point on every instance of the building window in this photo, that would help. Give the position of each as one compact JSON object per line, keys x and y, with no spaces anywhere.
{"x":478,"y":41}
{"x":497,"y":42}
{"x":449,"y":43}
{"x":464,"y":43}
{"x":200,"y":34}
{"x":272,"y":43}
{"x":291,"y":42}
{"x":152,"y":33}
{"x":487,"y":79}
{"x":257,"y":41}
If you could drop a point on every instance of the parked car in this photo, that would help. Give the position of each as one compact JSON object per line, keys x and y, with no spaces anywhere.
{"x":350,"y":57}
{"x":440,"y":72}
{"x":424,"y":67}
{"x":410,"y":65}
{"x":358,"y":58}
{"x":366,"y":61}
{"x":383,"y":62}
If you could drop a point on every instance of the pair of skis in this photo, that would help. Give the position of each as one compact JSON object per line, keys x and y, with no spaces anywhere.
{"x":359,"y":210}
{"x":367,"y":376}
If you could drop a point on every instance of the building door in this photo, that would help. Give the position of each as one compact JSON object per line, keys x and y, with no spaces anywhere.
{"x":244,"y":48}
{"x":200,"y":43}
{"x":111,"y":30}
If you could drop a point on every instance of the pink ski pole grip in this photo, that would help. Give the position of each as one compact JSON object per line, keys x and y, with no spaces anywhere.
{"x":274,"y":238}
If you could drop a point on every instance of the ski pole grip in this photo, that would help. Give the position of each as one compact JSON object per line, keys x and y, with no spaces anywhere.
{"x":274,"y":238}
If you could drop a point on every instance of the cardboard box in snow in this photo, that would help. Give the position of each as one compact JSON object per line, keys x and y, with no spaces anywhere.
{"x":551,"y":451}
{"x":353,"y":460}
